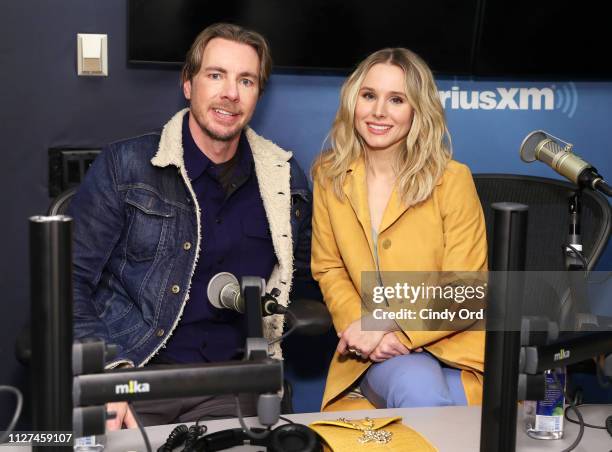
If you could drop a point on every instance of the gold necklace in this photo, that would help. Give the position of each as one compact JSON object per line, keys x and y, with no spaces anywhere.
{"x":368,"y":434}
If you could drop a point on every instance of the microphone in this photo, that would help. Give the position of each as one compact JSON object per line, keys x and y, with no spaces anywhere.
{"x":556,"y":153}
{"x":223,"y":292}
{"x":307,"y":317}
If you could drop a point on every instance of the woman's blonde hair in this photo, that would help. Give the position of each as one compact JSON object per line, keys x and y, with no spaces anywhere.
{"x":427,"y":149}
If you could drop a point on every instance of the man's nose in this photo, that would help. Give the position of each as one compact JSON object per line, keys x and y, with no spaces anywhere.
{"x":230,"y":90}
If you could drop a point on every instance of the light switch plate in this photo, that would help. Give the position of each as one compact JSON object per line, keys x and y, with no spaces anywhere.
{"x":92,"y":54}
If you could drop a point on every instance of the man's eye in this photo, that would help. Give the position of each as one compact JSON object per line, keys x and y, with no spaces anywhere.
{"x":247,"y":82}
{"x":215,"y":76}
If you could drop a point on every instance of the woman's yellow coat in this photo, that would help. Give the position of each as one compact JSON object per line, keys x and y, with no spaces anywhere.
{"x":444,"y":233}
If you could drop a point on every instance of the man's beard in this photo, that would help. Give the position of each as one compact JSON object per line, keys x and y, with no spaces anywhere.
{"x":228,"y":136}
{"x":215,"y":136}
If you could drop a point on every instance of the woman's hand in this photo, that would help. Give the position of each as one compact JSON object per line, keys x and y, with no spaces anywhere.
{"x":354,"y":340}
{"x":388,"y":347}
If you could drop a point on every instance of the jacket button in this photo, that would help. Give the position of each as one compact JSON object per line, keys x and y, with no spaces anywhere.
{"x":297,"y":213}
{"x":176,"y":289}
{"x":160,"y":332}
{"x":187,"y":246}
{"x":386,"y":244}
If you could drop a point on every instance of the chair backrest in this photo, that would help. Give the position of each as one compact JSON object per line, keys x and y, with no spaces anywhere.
{"x":60,"y":204}
{"x":547,"y":233}
{"x":548,"y":217}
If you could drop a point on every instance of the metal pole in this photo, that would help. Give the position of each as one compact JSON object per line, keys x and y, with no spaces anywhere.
{"x":502,"y":345}
{"x":51,"y":320}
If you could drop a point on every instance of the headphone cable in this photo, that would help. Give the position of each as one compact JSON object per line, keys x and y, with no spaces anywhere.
{"x":17,"y":413}
{"x":250,"y":433}
{"x":143,"y":432}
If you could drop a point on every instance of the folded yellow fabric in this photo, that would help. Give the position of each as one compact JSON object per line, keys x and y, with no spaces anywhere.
{"x":371,"y":434}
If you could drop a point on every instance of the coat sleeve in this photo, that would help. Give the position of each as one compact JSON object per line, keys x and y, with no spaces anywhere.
{"x":465,"y":241}
{"x":98,"y":222}
{"x":339,"y":293}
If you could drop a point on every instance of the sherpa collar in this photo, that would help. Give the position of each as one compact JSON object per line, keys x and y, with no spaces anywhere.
{"x":170,"y":150}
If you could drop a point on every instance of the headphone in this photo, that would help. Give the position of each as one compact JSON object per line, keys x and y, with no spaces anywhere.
{"x":285,"y":438}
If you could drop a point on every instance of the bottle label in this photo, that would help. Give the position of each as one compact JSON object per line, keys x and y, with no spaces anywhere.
{"x":549,"y":412}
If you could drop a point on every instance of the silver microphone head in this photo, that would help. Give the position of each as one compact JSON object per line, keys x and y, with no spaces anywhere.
{"x":218,"y":288}
{"x":530,"y":144}
{"x":554,"y":152}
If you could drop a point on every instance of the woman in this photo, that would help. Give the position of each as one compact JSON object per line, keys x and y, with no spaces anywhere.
{"x":388,"y":197}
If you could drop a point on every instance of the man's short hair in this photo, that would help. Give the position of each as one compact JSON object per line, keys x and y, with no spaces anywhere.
{"x":231,"y":32}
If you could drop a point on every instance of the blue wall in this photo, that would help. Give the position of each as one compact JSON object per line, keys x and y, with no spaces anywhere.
{"x":45,"y":104}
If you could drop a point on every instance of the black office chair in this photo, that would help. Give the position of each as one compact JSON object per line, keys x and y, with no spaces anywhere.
{"x":59,"y":205}
{"x":547,"y":231}
{"x":548,"y":218}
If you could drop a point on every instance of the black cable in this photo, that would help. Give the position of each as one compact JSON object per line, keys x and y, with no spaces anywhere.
{"x":289,"y":331}
{"x":603,"y":187}
{"x":575,"y":409}
{"x":145,"y":437}
{"x":193,"y":434}
{"x":18,"y":407}
{"x":580,"y":423}
{"x":250,"y":433}
{"x":574,"y":421}
{"x":578,"y":254}
{"x":286,"y":419}
{"x":176,"y":438}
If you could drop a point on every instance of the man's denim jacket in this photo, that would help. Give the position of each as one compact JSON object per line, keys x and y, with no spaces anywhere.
{"x":137,"y":237}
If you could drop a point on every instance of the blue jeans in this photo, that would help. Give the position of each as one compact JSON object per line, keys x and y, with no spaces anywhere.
{"x":413,"y":380}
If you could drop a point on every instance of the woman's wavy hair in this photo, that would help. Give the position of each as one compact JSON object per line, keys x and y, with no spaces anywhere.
{"x":427,"y":149}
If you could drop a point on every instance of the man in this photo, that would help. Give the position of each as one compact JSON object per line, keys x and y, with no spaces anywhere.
{"x":158,"y":215}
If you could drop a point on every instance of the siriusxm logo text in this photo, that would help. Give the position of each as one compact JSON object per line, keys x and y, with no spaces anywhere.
{"x":500,"y":99}
{"x":132,"y":387}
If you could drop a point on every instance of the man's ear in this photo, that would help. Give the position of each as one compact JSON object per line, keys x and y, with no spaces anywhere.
{"x":187,"y":89}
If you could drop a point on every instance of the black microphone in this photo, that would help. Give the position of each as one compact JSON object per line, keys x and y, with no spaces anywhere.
{"x":224,"y":293}
{"x":556,"y":153}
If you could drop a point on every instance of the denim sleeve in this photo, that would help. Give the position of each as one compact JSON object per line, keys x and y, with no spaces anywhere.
{"x":304,"y":286}
{"x":98,"y":222}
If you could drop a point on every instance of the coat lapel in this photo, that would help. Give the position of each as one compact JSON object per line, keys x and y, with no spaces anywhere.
{"x":395,"y":209}
{"x":356,"y":191}
{"x":273,"y":173}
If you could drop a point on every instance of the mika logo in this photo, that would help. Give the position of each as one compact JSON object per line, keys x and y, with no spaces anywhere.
{"x":562,"y":354}
{"x":132,"y":387}
{"x":564,"y":98}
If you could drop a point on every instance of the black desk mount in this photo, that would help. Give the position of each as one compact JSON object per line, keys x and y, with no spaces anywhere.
{"x":513,"y":369}
{"x":69,"y":384}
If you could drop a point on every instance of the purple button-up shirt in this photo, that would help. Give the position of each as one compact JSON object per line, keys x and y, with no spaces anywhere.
{"x":235,"y":238}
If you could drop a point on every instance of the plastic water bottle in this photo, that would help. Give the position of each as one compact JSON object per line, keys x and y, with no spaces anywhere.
{"x":90,"y":443}
{"x":544,"y":418}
